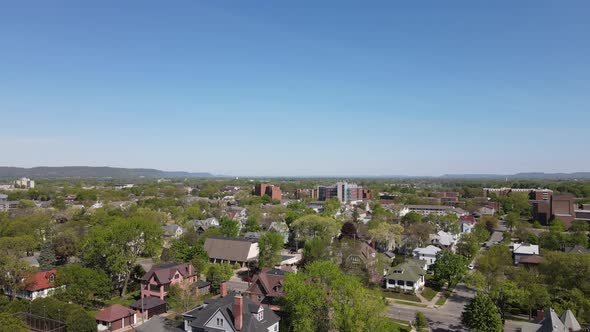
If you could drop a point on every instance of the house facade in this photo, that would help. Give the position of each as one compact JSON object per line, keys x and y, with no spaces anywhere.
{"x":407,"y":276}
{"x":427,"y":254}
{"x":267,"y":288}
{"x":39,"y":285}
{"x":521,"y":250}
{"x":231,"y":313}
{"x":157,"y":281}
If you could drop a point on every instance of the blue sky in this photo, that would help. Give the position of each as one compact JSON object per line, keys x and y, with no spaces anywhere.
{"x":297,"y":88}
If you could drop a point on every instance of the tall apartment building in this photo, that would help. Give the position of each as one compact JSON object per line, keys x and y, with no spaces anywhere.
{"x":345,"y":192}
{"x":24,"y":183}
{"x":273,"y":191}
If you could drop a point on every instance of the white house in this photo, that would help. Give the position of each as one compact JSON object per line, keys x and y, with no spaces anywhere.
{"x":407,"y":276}
{"x":428,"y":254}
{"x":444,"y":240}
{"x":425,"y":210}
{"x":520,"y":250}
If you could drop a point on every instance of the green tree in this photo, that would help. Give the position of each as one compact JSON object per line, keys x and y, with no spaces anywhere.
{"x":420,"y":322}
{"x":449,"y":267}
{"x":322,"y":298}
{"x":83,"y":286}
{"x":66,"y":245}
{"x":315,"y":249}
{"x":494,"y":263}
{"x":481,"y":232}
{"x":80,"y":321}
{"x":490,"y":223}
{"x":387,"y":234}
{"x":47,"y":257}
{"x":512,"y":219}
{"x":216,"y":273}
{"x":506,"y":295}
{"x":182,"y":296}
{"x":411,"y":218}
{"x":331,"y":206}
{"x":12,"y":269}
{"x":13,"y":323}
{"x":468,"y":246}
{"x":557,"y":225}
{"x":310,"y":226}
{"x":270,"y":245}
{"x":481,"y":315}
{"x":229,"y":227}
{"x":252,"y":224}
{"x":117,"y":246}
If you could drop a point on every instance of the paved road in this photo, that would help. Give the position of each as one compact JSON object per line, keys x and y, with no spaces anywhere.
{"x":445,"y":318}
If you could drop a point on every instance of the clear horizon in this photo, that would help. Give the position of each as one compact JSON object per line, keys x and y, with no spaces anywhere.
{"x":305,"y":88}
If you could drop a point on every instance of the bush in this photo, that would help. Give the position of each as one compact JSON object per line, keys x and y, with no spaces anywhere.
{"x":421,"y":321}
{"x":80,"y":321}
{"x":537,"y":224}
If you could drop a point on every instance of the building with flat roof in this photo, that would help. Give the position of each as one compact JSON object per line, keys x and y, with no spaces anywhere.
{"x":273,"y":191}
{"x":345,"y":192}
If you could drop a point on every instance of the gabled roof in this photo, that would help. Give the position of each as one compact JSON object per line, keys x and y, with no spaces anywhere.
{"x":225,"y":305}
{"x":551,"y":322}
{"x":165,"y":272}
{"x":148,"y":303}
{"x":409,"y":270}
{"x":113,"y":313}
{"x":430,"y":250}
{"x":230,"y":249}
{"x":41,"y":280}
{"x":267,"y":283}
{"x":577,"y":250}
{"x":570,"y":322}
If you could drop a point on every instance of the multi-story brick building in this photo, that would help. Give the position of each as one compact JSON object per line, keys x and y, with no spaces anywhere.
{"x":157,"y":281}
{"x":273,"y":191}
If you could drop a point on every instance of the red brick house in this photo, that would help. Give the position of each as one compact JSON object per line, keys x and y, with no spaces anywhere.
{"x":114,"y":318}
{"x":157,"y":281}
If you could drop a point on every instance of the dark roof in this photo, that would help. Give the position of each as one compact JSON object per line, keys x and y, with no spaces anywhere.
{"x":532,"y":259}
{"x":113,"y":313}
{"x":577,"y":250}
{"x":201,"y":283}
{"x":230,"y":249}
{"x":268,"y":283}
{"x":225,"y":306}
{"x":164,"y":272}
{"x":158,"y":324}
{"x":149,"y":302}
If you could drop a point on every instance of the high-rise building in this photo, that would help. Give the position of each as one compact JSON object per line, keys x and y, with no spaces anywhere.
{"x":345,"y":192}
{"x":24,"y":183}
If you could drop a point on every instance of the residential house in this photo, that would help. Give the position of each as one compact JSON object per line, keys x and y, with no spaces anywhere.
{"x":237,"y":213}
{"x":38,"y":285}
{"x":428,"y":254}
{"x":551,"y":322}
{"x":202,"y":225}
{"x":70,"y":199}
{"x":281,"y":228}
{"x":231,"y":313}
{"x":157,"y":281}
{"x":232,"y":250}
{"x":252,"y":236}
{"x":149,"y":306}
{"x":487,"y":210}
{"x":267,"y":287}
{"x":466,"y":224}
{"x":172,"y":231}
{"x":115,"y":317}
{"x":407,"y":276}
{"x":577,"y":250}
{"x":5,"y":204}
{"x":520,"y":250}
{"x":444,"y":240}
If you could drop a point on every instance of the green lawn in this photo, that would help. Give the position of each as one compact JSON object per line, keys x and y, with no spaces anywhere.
{"x":403,"y":325}
{"x":411,"y":303}
{"x":429,"y":293}
{"x":401,"y":296}
{"x":131,"y":297}
{"x":441,"y":300}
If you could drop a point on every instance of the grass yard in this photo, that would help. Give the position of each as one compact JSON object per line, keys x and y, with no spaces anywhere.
{"x":401,"y":296}
{"x":414,"y":304}
{"x":429,"y":293}
{"x":441,"y":300}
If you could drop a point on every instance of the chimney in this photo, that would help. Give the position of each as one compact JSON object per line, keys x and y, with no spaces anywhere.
{"x":223,"y":288}
{"x":238,"y":312}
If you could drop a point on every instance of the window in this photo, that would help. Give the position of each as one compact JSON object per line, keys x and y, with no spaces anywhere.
{"x":260,"y":314}
{"x":219,"y":321}
{"x":52,"y":278}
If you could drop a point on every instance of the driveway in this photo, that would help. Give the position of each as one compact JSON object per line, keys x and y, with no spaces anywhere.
{"x":444,"y":318}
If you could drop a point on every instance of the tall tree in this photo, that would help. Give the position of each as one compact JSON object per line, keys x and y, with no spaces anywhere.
{"x":512,"y":220}
{"x":311,"y":226}
{"x":270,"y":245}
{"x":47,"y":257}
{"x":481,"y":315}
{"x":449,"y":267}
{"x":229,"y":227}
{"x":322,"y":298}
{"x":182,"y":296}
{"x":83,"y":286}
{"x":387,"y":234}
{"x":117,"y":246}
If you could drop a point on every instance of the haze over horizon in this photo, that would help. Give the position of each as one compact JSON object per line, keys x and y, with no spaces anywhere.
{"x":332,"y":88}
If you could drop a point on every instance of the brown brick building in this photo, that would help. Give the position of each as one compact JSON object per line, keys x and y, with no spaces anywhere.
{"x":273,"y":191}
